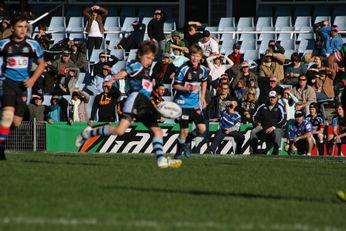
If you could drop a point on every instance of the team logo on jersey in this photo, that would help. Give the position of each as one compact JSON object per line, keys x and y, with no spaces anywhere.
{"x":189,"y":76}
{"x":10,"y":50}
{"x":25,"y":50}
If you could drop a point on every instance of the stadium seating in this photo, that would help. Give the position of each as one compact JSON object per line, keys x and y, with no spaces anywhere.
{"x":168,"y":27}
{"x":112,"y":22}
{"x":57,"y":23}
{"x":340,"y":21}
{"x":282,"y":21}
{"x":75,"y":24}
{"x":132,"y":55}
{"x":264,"y":22}
{"x":119,"y":53}
{"x":127,"y":25}
{"x":302,"y":21}
{"x":245,"y":22}
{"x":226,"y":22}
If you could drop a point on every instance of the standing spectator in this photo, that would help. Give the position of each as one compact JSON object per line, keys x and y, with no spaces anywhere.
{"x":304,"y":92}
{"x":269,"y":120}
{"x":190,"y":84}
{"x":43,"y":38}
{"x":68,"y":83}
{"x":288,"y":101}
{"x":294,"y":70}
{"x":247,"y":75}
{"x":57,"y":111}
{"x":229,"y":126}
{"x":191,"y":35}
{"x":217,"y":68}
{"x":134,"y":39}
{"x":332,"y":41}
{"x":236,"y":57}
{"x":208,"y":45}
{"x":247,"y":107}
{"x":275,"y":47}
{"x":266,"y":85}
{"x":272,"y":65}
{"x":78,"y":107}
{"x":17,"y":55}
{"x":95,"y":17}
{"x":105,"y":105}
{"x":163,"y":71}
{"x":176,"y":43}
{"x":78,"y":54}
{"x":155,"y":29}
{"x":300,"y":135}
{"x":317,"y":123}
{"x":36,"y":108}
{"x":110,"y":60}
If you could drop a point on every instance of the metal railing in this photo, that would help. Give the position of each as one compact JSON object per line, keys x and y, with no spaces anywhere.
{"x":29,"y":136}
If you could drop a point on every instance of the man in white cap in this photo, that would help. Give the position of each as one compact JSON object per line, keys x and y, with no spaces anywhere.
{"x":268,"y":119}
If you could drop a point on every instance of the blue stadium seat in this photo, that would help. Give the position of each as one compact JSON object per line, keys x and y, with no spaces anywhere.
{"x":264,"y":22}
{"x":226,"y":22}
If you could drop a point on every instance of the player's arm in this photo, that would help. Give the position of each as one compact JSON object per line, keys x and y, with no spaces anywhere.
{"x":203,"y":91}
{"x":120,"y":75}
{"x":28,"y":83}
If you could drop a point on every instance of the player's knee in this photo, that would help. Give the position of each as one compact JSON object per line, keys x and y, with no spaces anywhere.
{"x":7,"y":119}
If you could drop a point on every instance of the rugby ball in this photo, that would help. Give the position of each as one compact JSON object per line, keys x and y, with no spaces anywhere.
{"x":169,"y":109}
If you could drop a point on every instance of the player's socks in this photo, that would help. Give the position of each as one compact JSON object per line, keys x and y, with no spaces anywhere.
{"x":180,"y":146}
{"x":104,"y":130}
{"x":158,"y":147}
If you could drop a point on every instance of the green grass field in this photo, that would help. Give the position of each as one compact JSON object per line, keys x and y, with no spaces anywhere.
{"x":128,"y":192}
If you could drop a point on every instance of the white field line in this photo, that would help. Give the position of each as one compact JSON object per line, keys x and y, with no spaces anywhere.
{"x":158,"y":225}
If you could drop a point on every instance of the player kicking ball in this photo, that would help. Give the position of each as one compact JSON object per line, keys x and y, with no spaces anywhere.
{"x":137,"y":105}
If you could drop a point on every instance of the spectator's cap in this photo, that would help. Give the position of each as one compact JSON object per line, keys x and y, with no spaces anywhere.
{"x":298,"y":114}
{"x":236,"y":46}
{"x":55,"y":97}
{"x":313,"y":105}
{"x":271,"y":42}
{"x":158,"y":11}
{"x":272,"y":94}
{"x":66,"y":53}
{"x":175,"y":33}
{"x":268,"y":52}
{"x":245,"y":64}
{"x":6,"y":21}
{"x":206,"y":33}
{"x":37,"y":96}
{"x":166,"y":55}
{"x":135,"y":23}
{"x":335,"y":28}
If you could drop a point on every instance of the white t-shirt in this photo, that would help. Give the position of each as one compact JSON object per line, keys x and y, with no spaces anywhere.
{"x":210,"y":47}
{"x":95,"y":30}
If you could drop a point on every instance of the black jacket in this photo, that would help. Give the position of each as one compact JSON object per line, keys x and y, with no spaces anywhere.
{"x":269,"y":118}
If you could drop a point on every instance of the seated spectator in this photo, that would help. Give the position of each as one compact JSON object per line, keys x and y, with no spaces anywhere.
{"x":178,"y":59}
{"x":96,"y":85}
{"x":105,"y":105}
{"x":247,"y":107}
{"x":269,"y":120}
{"x":216,"y":67}
{"x":240,"y":90}
{"x":332,"y":40}
{"x":208,"y":45}
{"x":288,"y":101}
{"x":322,"y":83}
{"x":78,"y":107}
{"x":229,"y":126}
{"x":163,"y":71}
{"x":304,"y":92}
{"x":276,"y":47}
{"x":338,"y":136}
{"x":68,"y":83}
{"x":57,"y":111}
{"x":300,"y":135}
{"x":315,"y":64}
{"x":5,"y":30}
{"x":176,"y":43}
{"x":157,"y":97}
{"x":78,"y":54}
{"x":44,"y":39}
{"x":236,"y":57}
{"x":272,"y":65}
{"x":294,"y":70}
{"x":266,"y":85}
{"x":110,"y":60}
{"x":318,"y":125}
{"x":191,"y":35}
{"x":135,"y":37}
{"x":59,"y":66}
{"x":221,"y":100}
{"x":245,"y":73}
{"x":36,"y":108}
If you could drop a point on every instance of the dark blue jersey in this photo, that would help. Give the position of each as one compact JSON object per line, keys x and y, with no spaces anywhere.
{"x":228,"y":120}
{"x":299,"y":129}
{"x":316,"y":122}
{"x":139,"y":78}
{"x":18,"y":58}
{"x":189,"y":76}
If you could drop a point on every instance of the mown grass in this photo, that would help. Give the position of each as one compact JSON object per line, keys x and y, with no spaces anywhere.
{"x":41,"y":191}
